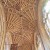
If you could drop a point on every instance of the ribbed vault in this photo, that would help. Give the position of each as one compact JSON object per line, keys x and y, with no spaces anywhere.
{"x":21,"y":20}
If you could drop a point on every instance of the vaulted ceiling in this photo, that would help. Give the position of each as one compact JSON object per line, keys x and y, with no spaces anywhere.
{"x":21,"y":20}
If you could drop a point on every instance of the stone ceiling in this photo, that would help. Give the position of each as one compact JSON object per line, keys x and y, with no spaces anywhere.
{"x":21,"y":20}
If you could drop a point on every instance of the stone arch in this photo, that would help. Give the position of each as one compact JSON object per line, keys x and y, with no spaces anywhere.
{"x":2,"y":27}
{"x":42,"y":31}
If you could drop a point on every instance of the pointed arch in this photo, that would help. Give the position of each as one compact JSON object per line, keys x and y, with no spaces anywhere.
{"x":2,"y":27}
{"x":41,"y":28}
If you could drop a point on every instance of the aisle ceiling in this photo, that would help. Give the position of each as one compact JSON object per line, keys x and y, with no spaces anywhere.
{"x":21,"y":19}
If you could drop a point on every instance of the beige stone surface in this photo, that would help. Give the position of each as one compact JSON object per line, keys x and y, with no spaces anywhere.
{"x":21,"y":22}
